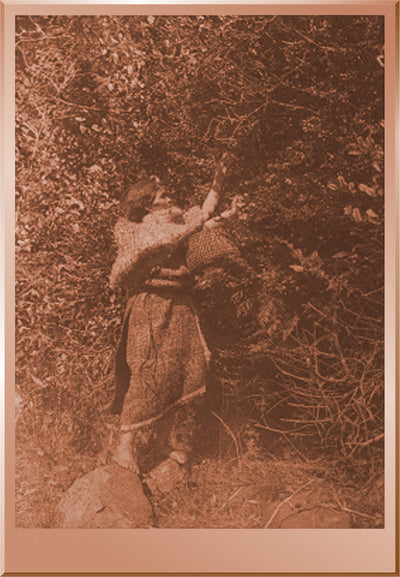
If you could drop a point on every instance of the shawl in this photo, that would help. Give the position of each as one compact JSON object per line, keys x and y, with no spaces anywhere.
{"x":142,"y":246}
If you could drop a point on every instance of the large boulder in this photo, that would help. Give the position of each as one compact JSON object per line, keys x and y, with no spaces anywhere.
{"x":108,"y":497}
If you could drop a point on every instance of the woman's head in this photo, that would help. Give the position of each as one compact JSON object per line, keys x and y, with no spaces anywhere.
{"x":161,"y":200}
{"x":138,"y":199}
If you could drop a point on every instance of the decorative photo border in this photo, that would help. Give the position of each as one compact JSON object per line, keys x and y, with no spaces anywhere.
{"x":213,"y":551}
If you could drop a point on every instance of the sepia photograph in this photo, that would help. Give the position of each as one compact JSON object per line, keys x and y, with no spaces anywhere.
{"x":200,"y":271}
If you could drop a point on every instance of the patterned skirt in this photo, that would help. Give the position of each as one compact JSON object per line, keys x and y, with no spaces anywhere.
{"x":162,"y":358}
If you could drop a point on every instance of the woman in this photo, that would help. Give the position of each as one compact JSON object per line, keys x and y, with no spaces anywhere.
{"x":162,"y":357}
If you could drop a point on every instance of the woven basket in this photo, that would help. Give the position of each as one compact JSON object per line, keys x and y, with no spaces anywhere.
{"x":208,"y":247}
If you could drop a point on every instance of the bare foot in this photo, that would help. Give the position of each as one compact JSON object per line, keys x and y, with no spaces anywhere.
{"x":179,"y":457}
{"x":125,"y":459}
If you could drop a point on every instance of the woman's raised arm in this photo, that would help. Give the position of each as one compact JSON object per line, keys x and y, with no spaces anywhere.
{"x":213,"y":197}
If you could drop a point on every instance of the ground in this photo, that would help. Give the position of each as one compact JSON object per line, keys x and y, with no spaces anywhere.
{"x":241,"y":492}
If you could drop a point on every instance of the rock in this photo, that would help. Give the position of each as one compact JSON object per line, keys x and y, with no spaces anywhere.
{"x":108,"y":497}
{"x":165,"y":477}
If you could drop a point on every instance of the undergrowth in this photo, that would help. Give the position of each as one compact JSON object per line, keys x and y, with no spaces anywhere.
{"x":298,"y":339}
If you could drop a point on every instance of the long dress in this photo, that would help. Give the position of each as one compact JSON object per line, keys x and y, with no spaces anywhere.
{"x":162,"y":358}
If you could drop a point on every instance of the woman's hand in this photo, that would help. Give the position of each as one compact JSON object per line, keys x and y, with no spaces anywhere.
{"x":220,"y":171}
{"x":213,"y":197}
{"x":236,"y":204}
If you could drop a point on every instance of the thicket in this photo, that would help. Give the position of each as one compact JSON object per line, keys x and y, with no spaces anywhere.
{"x":298,"y":104}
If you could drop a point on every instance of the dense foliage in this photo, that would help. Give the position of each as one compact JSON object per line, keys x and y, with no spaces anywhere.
{"x":298,"y":104}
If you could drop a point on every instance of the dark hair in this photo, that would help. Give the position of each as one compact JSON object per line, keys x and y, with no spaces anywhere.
{"x":138,"y":199}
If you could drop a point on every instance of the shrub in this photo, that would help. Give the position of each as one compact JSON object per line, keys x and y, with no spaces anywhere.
{"x":298,"y":103}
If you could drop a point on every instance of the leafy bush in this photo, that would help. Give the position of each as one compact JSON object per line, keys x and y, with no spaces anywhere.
{"x":298,"y":103}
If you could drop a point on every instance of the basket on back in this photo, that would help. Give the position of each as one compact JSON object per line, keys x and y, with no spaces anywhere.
{"x":209,"y":247}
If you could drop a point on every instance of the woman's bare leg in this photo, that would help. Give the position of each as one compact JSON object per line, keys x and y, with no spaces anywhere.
{"x":125,"y":452}
{"x":163,"y":447}
{"x":162,"y":434}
